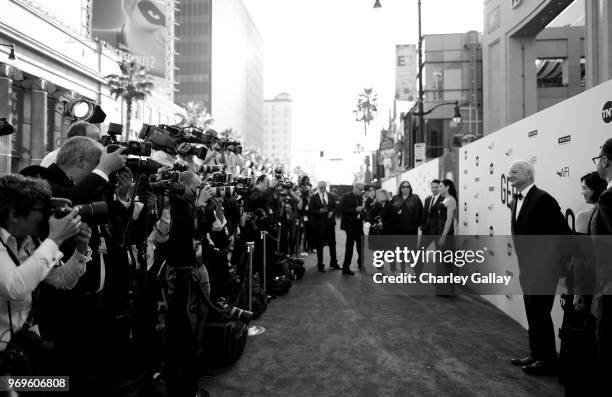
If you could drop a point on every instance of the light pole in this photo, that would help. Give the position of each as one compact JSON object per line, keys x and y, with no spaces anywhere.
{"x":420,"y":113}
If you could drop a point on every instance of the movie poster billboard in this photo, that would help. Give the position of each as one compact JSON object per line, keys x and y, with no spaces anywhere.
{"x":134,"y":30}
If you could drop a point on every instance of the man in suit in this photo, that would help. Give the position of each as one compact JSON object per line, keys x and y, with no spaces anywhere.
{"x":601,"y":229}
{"x":352,"y":207}
{"x":536,"y":213}
{"x":430,"y":229}
{"x":321,"y":207}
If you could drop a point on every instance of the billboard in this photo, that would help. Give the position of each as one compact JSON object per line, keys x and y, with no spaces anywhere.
{"x":405,"y":72}
{"x":560,"y":142}
{"x":134,"y":30}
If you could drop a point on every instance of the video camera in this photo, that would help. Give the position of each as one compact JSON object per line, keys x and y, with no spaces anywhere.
{"x":224,"y":186}
{"x":134,"y":148}
{"x":177,"y":140}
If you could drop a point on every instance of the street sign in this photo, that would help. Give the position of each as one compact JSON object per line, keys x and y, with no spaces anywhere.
{"x":419,"y":153}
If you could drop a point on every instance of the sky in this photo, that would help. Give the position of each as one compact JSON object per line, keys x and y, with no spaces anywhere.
{"x":325,"y":52}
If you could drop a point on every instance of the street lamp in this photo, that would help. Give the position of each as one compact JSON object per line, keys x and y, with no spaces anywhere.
{"x":12,"y":53}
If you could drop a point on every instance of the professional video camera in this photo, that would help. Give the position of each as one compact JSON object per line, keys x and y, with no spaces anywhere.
{"x":211,"y":168}
{"x":60,"y":207}
{"x":177,"y":140}
{"x":134,"y":148}
{"x":224,"y":186}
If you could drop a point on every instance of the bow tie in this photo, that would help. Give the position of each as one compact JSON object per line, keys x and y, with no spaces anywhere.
{"x":517,"y":196}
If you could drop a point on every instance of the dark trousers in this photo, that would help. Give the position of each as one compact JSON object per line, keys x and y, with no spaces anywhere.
{"x":328,"y":236}
{"x":352,"y":238}
{"x":604,"y":341}
{"x":426,"y":240}
{"x":541,"y":330}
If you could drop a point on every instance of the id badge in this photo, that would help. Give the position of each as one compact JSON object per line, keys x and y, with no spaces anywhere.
{"x":102,"y":247}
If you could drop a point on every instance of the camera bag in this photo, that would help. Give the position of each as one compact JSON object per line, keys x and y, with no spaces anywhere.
{"x":223,"y":341}
{"x":279,"y":285}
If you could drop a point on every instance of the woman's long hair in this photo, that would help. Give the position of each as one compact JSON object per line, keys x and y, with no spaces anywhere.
{"x":451,"y":188}
{"x":399,"y":188}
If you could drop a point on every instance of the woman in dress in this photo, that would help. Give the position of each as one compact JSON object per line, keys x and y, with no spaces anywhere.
{"x":409,"y":215}
{"x":446,"y":216}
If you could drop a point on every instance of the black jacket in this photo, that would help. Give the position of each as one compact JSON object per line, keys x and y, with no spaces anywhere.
{"x":430,"y":226}
{"x":321,"y":221}
{"x":351,"y":221}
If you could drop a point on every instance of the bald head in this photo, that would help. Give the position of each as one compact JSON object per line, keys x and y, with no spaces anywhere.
{"x":521,"y":174}
{"x":357,"y":188}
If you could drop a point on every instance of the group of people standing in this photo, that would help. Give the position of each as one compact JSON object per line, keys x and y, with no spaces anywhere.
{"x":402,"y":214}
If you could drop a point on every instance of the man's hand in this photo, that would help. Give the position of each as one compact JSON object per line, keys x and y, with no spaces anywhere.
{"x":330,"y":215}
{"x":324,"y":210}
{"x":124,"y":182}
{"x":64,"y":228}
{"x":204,"y":195}
{"x":82,"y":239}
{"x":111,"y":162}
{"x":359,"y":209}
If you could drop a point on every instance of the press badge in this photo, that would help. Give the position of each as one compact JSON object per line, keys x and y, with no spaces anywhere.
{"x":102,"y":247}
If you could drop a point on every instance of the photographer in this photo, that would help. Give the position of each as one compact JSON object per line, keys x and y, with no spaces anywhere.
{"x":79,"y":128}
{"x":292,"y":203}
{"x":183,"y":325}
{"x":25,"y":204}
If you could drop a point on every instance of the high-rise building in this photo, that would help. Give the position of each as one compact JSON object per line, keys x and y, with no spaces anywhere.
{"x":277,"y":128}
{"x":220,"y":63}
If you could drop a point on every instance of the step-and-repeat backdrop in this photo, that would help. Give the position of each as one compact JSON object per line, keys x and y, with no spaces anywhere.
{"x":560,"y":142}
{"x":420,"y":179}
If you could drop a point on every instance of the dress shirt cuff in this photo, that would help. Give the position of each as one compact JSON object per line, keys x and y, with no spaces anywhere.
{"x":101,"y":173}
{"x":50,"y":252}
{"x":82,"y":259}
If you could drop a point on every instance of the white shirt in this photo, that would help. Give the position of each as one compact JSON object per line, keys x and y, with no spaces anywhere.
{"x":49,"y":158}
{"x":609,"y":185}
{"x":323,"y":196}
{"x":519,"y":202}
{"x":36,"y":265}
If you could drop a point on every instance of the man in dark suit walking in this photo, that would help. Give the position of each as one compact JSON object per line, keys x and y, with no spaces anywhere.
{"x":430,"y":228}
{"x":601,"y":229}
{"x":536,"y":213}
{"x":352,"y":207}
{"x":321,"y":207}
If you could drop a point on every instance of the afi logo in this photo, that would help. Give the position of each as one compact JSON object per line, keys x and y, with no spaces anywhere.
{"x":477,"y":179}
{"x":533,"y":160}
{"x":606,"y":112}
{"x":509,"y":249}
{"x":465,"y":155}
{"x":491,"y":232}
{"x":465,"y":206}
{"x":491,"y":169}
{"x":465,"y":186}
{"x":509,"y":152}
{"x":476,"y":196}
{"x":491,"y":145}
{"x":465,"y":171}
{"x":564,"y":172}
{"x":491,"y":207}
{"x":465,"y":224}
{"x":477,"y":217}
{"x":477,"y":160}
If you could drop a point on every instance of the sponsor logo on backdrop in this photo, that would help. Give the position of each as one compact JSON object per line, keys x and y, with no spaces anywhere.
{"x":465,"y":206}
{"x":509,"y":297}
{"x":465,"y":223}
{"x":491,"y":232}
{"x":533,"y":133}
{"x":491,"y":169}
{"x":465,"y":171}
{"x":465,"y":155}
{"x":509,"y":273}
{"x":564,"y":172}
{"x":509,"y":249}
{"x":465,"y":186}
{"x":491,"y":145}
{"x":564,"y":139}
{"x":491,"y":207}
{"x":477,"y":179}
{"x":477,"y":217}
{"x":477,"y":160}
{"x":491,"y":188}
{"x":533,"y":160}
{"x":509,"y":152}
{"x":476,"y":196}
{"x":606,"y":112}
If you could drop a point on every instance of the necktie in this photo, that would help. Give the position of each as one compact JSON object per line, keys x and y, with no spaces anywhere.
{"x":431,"y":203}
{"x":324,"y":201}
{"x":518,"y":196}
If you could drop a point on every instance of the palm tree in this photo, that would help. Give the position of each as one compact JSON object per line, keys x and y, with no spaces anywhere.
{"x":197,"y":115}
{"x":134,"y":84}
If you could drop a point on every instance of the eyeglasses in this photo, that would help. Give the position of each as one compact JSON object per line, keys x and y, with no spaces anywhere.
{"x":406,"y":187}
{"x":595,"y":159}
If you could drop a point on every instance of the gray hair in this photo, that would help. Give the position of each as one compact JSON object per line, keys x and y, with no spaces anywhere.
{"x":79,"y":128}
{"x":525,"y":166}
{"x":78,"y":147}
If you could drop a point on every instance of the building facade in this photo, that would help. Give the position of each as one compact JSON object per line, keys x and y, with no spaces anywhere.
{"x":524,"y":40}
{"x":278,"y":122}
{"x":452,"y":71}
{"x":220,"y":63}
{"x":57,"y":60}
